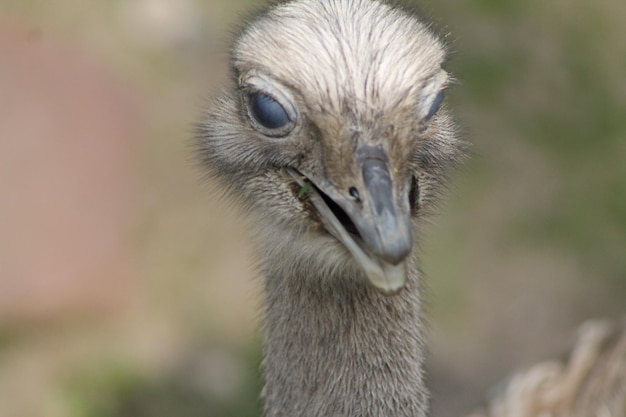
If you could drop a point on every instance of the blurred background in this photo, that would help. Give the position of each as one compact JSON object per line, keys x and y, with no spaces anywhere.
{"x":127,"y":288}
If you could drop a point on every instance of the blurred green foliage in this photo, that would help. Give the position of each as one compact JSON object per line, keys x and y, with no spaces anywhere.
{"x":118,"y":389}
{"x":572,"y":57}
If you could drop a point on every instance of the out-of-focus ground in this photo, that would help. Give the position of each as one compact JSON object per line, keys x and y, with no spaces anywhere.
{"x":127,"y":287}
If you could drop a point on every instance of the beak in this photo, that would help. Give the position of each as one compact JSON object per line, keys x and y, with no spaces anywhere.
{"x":372,"y":221}
{"x":384,"y":222}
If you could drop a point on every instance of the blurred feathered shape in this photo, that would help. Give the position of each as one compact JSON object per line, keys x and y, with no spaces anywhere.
{"x":591,"y":382}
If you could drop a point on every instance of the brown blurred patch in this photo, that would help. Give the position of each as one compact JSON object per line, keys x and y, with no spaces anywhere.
{"x":68,"y":129}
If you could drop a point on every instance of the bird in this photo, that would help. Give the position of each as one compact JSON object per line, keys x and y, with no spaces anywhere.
{"x":334,"y":136}
{"x":590,"y":381}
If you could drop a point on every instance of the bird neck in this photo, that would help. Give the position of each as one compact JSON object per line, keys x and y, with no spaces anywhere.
{"x":335,"y":347}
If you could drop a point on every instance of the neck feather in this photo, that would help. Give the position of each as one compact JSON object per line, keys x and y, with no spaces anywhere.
{"x":335,"y":347}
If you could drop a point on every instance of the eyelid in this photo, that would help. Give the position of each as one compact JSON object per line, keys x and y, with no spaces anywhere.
{"x":258,"y":83}
{"x":435,"y":105}
{"x":267,"y":111}
{"x":431,"y":90}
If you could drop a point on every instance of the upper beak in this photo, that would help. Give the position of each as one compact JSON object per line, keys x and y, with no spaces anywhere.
{"x":384,"y":221}
{"x":380,"y":213}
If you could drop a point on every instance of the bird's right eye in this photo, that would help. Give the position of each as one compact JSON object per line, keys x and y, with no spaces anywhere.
{"x":434,"y":108}
{"x":268,"y":112}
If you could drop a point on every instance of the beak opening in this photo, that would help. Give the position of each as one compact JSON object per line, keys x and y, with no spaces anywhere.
{"x":376,"y":230}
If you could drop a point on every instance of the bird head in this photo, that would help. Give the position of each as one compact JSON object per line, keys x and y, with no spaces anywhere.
{"x":335,"y":132}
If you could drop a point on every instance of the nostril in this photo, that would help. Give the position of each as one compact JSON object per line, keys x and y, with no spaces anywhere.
{"x":355,"y":193}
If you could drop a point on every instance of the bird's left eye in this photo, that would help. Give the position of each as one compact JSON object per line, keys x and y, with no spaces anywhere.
{"x":434,"y":108}
{"x":268,"y":113}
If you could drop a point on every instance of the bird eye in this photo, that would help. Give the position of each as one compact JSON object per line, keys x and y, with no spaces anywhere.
{"x":268,"y":112}
{"x":434,"y":108}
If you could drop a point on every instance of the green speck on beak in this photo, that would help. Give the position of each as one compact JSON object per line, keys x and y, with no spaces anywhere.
{"x":304,"y":189}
